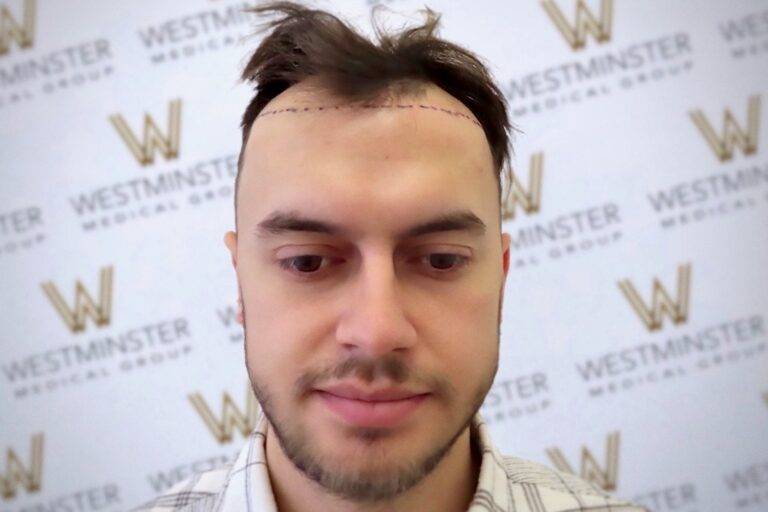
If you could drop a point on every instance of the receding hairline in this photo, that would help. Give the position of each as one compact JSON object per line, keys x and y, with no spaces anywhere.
{"x":401,"y":106}
{"x":313,"y":96}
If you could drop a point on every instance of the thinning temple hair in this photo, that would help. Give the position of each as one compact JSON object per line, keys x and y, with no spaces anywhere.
{"x":305,"y":42}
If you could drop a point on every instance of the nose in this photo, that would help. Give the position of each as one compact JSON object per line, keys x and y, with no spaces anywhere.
{"x":375,"y":321}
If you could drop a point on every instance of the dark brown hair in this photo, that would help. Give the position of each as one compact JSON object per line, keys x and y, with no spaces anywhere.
{"x":307,"y":42}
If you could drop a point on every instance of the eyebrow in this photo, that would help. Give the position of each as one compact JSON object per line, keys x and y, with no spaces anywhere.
{"x":282,"y":222}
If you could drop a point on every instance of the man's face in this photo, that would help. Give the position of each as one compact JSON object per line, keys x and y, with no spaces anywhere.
{"x":364,"y":305}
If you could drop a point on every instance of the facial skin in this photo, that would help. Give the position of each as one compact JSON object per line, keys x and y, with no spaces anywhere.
{"x":370,"y":308}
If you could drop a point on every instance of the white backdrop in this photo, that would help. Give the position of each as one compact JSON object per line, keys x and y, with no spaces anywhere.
{"x":634,"y":338}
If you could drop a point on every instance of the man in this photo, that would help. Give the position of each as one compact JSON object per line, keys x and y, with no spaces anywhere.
{"x":371,"y":266}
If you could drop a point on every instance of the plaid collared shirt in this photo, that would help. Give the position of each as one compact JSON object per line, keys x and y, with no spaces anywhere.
{"x":505,"y":484}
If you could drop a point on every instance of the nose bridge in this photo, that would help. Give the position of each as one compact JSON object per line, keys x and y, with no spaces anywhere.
{"x":376,"y":320}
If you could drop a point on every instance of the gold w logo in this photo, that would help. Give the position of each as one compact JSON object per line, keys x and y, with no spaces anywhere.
{"x":529,"y":200}
{"x":17,"y":474}
{"x":84,"y":303}
{"x":733,"y":134}
{"x":585,"y":22}
{"x":232,"y":417}
{"x":661,"y":301}
{"x":153,"y":138}
{"x":10,"y":29}
{"x":590,"y":469}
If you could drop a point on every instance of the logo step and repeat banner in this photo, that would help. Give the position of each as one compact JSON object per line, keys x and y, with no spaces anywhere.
{"x":634,"y":347}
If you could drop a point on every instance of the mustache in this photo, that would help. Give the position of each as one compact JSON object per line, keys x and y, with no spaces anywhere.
{"x":390,"y":367}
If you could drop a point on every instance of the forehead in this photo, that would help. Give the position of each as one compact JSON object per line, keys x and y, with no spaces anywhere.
{"x":410,"y":156}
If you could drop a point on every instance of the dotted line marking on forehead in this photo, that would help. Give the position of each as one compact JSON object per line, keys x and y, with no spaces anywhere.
{"x":298,"y":110}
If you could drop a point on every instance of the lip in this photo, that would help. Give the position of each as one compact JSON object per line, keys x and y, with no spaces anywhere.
{"x":350,"y":391}
{"x":372,"y":413}
{"x":384,"y":408}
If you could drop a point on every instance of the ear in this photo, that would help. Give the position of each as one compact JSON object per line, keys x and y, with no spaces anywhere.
{"x":230,"y":240}
{"x":506,"y":241}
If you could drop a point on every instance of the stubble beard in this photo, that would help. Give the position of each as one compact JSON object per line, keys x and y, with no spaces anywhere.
{"x":360,"y":486}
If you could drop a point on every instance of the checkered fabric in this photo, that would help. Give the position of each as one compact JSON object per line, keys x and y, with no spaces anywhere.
{"x":505,"y":484}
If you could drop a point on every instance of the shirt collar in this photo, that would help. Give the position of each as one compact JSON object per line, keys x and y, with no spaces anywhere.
{"x":248,"y":486}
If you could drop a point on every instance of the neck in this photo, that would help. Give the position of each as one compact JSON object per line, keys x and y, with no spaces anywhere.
{"x":450,"y":486}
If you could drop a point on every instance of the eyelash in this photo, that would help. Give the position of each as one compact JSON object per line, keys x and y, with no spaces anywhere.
{"x":286,"y":264}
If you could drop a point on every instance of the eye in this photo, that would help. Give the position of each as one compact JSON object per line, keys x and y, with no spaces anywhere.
{"x":445,"y":262}
{"x":304,"y":264}
{"x":310,"y":265}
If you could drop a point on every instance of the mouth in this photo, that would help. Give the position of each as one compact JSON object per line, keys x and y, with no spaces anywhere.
{"x":372,"y":413}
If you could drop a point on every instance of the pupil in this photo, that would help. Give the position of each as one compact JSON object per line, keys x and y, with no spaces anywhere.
{"x":304,"y":259}
{"x":443,"y":260}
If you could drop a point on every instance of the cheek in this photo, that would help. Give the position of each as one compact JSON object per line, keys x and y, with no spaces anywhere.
{"x":468,"y":330}
{"x":278,"y":326}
